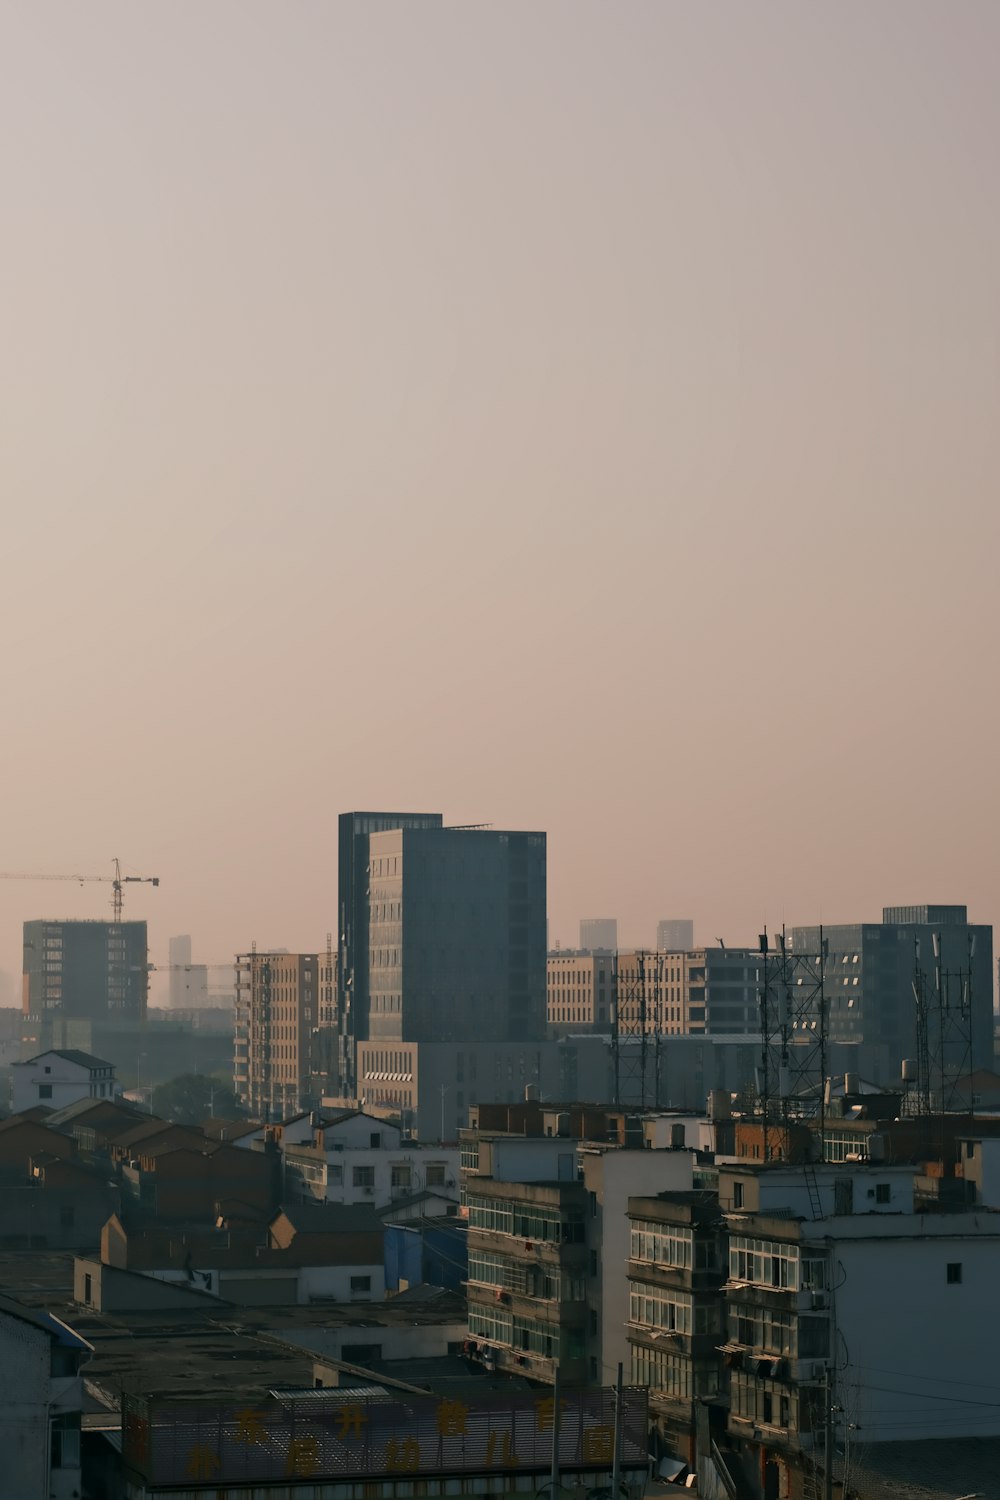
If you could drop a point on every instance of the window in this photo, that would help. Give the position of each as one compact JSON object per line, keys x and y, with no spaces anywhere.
{"x":364,"y":1177}
{"x":45,"y":1090}
{"x":360,"y":1284}
{"x":375,"y":1139}
{"x":67,"y":1216}
{"x":660,"y":1244}
{"x":65,"y":1441}
{"x":954,"y":1272}
{"x":882,"y":1192}
{"x":737,"y":1195}
{"x":88,"y":1288}
{"x":764,"y":1263}
{"x":401,"y":1176}
{"x":435,"y":1174}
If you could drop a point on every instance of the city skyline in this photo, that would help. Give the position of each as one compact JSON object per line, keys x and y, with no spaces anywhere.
{"x":392,"y":396}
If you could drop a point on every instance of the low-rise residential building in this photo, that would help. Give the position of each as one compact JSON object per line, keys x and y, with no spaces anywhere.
{"x":834,"y":1284}
{"x":41,"y":1395}
{"x":546,"y":1191}
{"x":59,"y":1077}
{"x":527,"y":1286}
{"x":314,"y":1253}
{"x":352,"y":1157}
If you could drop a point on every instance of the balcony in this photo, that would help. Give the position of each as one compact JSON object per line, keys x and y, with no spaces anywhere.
{"x":550,"y":1312}
{"x":682,"y":1278}
{"x":567,"y":1256}
{"x":541,"y":1367}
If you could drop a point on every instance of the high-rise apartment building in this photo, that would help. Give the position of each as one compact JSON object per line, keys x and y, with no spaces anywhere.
{"x":353,"y":866}
{"x":277,"y":1033}
{"x":599,"y":934}
{"x":869,"y":975}
{"x":95,"y":971}
{"x":675,"y":935}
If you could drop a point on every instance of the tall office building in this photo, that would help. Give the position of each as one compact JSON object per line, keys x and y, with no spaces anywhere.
{"x":355,"y":829}
{"x":675,"y":935}
{"x":94,"y":971}
{"x":869,"y":973}
{"x":599,"y":934}
{"x":456,"y":935}
{"x":188,"y":981}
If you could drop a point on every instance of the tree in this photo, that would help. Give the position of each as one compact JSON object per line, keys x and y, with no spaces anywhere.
{"x":193,"y":1097}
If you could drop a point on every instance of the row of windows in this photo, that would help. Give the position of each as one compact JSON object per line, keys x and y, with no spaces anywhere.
{"x":762,"y":1401}
{"x":548,"y":1282}
{"x":660,"y":1244}
{"x":527,"y":1222}
{"x":655,"y":1307}
{"x":773,"y":1263}
{"x":671,"y":1374}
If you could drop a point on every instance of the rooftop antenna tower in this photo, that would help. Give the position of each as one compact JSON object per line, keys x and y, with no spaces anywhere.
{"x":791,"y":1076}
{"x":636,"y":1023}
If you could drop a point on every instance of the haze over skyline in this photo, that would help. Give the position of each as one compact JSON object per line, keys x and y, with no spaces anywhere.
{"x":570,"y":417}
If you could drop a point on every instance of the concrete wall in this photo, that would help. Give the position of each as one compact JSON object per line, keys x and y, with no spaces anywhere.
{"x":916,"y":1345}
{"x":333,"y":1283}
{"x":530,"y":1159}
{"x":24,"y":1421}
{"x":55,"y":1218}
{"x":407,"y":1341}
{"x":107,"y":1289}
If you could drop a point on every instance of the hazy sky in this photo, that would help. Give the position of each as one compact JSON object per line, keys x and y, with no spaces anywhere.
{"x":565,"y":415}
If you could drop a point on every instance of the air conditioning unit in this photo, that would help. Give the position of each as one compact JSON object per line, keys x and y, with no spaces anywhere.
{"x":819,"y":1299}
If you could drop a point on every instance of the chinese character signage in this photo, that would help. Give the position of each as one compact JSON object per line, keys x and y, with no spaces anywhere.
{"x":372,"y":1435}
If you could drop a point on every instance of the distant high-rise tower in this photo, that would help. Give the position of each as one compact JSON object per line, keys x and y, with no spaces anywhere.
{"x":94,"y":971}
{"x":353,"y":866}
{"x":599,"y":934}
{"x":179,"y":958}
{"x":675,"y":935}
{"x":456,"y":935}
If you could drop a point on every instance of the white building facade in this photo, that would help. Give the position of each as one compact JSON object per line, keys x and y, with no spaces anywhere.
{"x":356,"y":1158}
{"x":61,"y":1077}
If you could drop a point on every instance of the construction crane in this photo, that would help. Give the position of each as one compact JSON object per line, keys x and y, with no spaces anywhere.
{"x":116,"y":881}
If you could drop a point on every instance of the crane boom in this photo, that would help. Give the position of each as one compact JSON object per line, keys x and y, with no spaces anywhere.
{"x":116,"y":881}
